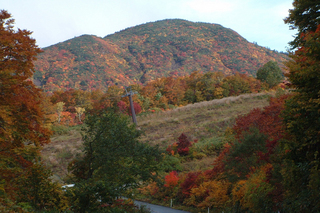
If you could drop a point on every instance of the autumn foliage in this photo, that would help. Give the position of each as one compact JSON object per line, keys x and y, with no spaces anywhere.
{"x":183,"y":145}
{"x":245,"y":175}
{"x":171,"y":180}
{"x":266,"y":153}
{"x":147,"y":52}
{"x":23,"y":126}
{"x":269,"y":161}
{"x":192,"y":180}
{"x":271,"y":164}
{"x":302,"y":116}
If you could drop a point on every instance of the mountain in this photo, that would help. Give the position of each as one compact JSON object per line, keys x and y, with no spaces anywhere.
{"x":142,"y":53}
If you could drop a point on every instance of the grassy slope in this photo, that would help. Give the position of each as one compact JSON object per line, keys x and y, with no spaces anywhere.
{"x":205,"y":121}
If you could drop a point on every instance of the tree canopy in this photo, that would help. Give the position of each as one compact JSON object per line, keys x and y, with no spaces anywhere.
{"x":22,"y":125}
{"x":21,"y":116}
{"x":302,"y":111}
{"x":304,"y":17}
{"x":113,"y":159}
{"x":270,"y":73}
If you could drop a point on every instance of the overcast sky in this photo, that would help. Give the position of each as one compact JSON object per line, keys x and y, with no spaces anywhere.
{"x":54,"y":21}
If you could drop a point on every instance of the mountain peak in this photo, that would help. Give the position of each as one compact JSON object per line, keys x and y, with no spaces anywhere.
{"x":148,"y":51}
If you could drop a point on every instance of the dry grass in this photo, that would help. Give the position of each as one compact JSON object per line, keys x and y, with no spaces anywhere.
{"x":61,"y":151}
{"x":205,"y":121}
{"x":198,"y":165}
{"x":198,"y":121}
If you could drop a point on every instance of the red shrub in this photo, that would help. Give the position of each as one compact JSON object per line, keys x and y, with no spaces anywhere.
{"x":171,"y":179}
{"x":122,"y":107}
{"x":137,"y":108}
{"x":127,"y":109}
{"x":183,"y":145}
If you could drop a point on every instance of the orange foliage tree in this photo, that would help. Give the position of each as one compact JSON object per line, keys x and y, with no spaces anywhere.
{"x":210,"y":194}
{"x":171,"y":179}
{"x":174,"y":90}
{"x":22,"y":120}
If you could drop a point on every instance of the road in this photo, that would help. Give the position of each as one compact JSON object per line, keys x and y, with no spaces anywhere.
{"x":158,"y":209}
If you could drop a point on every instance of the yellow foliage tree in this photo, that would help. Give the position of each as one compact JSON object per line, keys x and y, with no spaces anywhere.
{"x":59,"y":108}
{"x":210,"y":194}
{"x":252,"y":194}
{"x":238,"y":192}
{"x":80,"y":111}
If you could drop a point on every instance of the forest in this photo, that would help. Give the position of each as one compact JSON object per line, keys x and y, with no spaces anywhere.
{"x":265,"y":160}
{"x":147,"y":52}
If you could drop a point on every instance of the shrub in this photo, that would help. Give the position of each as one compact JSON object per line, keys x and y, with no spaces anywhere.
{"x":183,"y":145}
{"x":59,"y":129}
{"x":171,"y":179}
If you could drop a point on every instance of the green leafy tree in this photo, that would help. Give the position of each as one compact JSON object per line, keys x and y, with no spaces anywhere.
{"x":304,"y":17}
{"x":113,"y":161}
{"x":208,"y":84}
{"x":270,"y":73}
{"x":235,"y":85}
{"x":301,"y":169}
{"x":41,"y":192}
{"x":193,"y":93}
{"x":301,"y":116}
{"x":244,"y":155}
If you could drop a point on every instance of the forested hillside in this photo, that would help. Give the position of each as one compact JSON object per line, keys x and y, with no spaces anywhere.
{"x":147,"y":52}
{"x":233,"y":154}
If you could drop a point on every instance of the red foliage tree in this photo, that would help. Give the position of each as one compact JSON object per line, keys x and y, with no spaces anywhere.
{"x":171,"y":179}
{"x":268,"y":121}
{"x":123,"y":108}
{"x":192,"y":180}
{"x":219,"y":163}
{"x":183,"y":145}
{"x":137,"y":108}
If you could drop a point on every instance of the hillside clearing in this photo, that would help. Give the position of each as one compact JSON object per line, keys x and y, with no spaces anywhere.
{"x":205,"y":121}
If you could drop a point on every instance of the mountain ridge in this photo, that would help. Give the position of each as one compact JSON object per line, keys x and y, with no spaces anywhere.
{"x":170,"y":47}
